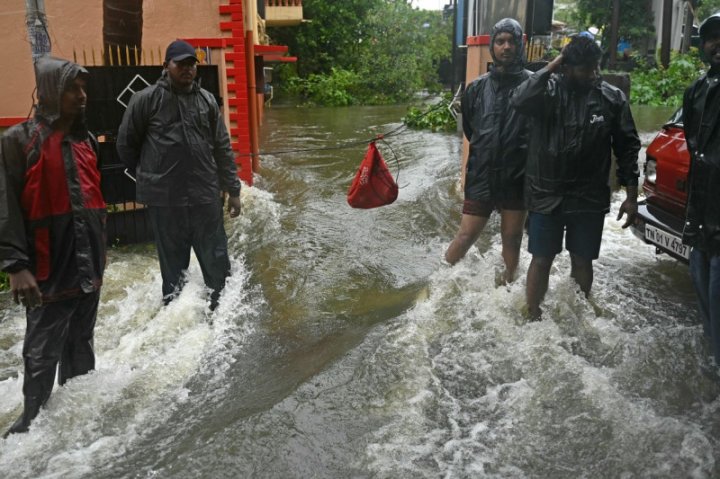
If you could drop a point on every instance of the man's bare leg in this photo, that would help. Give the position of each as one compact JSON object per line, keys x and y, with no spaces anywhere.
{"x":511,"y":232}
{"x":581,"y":270}
{"x":537,"y":284}
{"x":470,"y":229}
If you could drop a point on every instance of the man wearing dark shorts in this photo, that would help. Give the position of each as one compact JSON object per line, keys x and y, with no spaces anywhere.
{"x":578,"y":118}
{"x":498,"y":150}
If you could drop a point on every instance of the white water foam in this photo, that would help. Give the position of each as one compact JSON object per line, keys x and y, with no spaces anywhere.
{"x":612,"y":386}
{"x":146,"y":353}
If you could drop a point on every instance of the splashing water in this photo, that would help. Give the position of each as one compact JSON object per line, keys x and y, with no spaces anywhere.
{"x":343,"y":346}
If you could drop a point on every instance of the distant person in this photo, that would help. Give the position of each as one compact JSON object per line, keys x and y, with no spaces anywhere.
{"x":701,"y":119}
{"x":498,"y":138}
{"x":52,"y":232}
{"x":578,"y":118}
{"x":174,"y":139}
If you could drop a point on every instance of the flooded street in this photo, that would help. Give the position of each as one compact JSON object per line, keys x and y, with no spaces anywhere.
{"x":344,"y":347}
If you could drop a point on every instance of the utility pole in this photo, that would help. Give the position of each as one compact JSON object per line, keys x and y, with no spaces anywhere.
{"x":38,"y":35}
{"x":666,"y":33}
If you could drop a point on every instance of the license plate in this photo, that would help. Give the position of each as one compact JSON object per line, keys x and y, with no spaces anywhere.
{"x":667,"y":241}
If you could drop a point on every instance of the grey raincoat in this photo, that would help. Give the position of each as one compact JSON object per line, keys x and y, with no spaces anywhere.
{"x":178,"y":146}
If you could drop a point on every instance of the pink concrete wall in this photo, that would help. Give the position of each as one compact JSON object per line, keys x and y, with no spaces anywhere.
{"x":166,"y":20}
{"x":17,"y":80}
{"x":78,"y":25}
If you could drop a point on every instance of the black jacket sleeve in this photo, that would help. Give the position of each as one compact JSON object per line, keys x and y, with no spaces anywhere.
{"x":13,"y":241}
{"x":625,"y":143}
{"x":529,"y":97}
{"x":224,"y":156}
{"x":690,"y":229}
{"x":466,"y":107}
{"x":133,"y":127}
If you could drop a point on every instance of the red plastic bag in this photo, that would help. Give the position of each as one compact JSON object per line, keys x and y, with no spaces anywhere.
{"x":373,"y":185}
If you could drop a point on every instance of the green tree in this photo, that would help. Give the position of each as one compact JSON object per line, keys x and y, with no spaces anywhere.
{"x":660,"y":86}
{"x":401,"y":51}
{"x":636,"y":17}
{"x":384,"y":51}
{"x":705,"y":8}
{"x":330,"y":38}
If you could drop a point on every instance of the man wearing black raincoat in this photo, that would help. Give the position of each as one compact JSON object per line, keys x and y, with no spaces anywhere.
{"x":577,"y":120}
{"x":701,"y":119}
{"x":52,"y":232}
{"x":498,"y":138}
{"x":174,"y":139}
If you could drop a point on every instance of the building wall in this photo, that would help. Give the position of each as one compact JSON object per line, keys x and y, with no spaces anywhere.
{"x":166,"y":20}
{"x":75,"y":26}
{"x":678,"y":20}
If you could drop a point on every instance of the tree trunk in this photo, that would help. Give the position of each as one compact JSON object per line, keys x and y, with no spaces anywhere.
{"x":122,"y":31}
{"x":666,"y":33}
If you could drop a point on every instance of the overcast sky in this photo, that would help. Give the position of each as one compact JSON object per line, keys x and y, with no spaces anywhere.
{"x":430,"y":4}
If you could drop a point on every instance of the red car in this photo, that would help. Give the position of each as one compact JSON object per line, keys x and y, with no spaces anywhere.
{"x":662,"y":214}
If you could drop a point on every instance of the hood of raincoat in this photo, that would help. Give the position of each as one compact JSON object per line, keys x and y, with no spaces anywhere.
{"x":52,"y":76}
{"x":508,"y":25}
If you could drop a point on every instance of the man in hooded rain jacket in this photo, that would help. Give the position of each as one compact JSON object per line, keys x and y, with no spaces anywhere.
{"x":701,"y":119}
{"x":577,"y":119}
{"x":173,"y":137}
{"x":52,"y":232}
{"x":498,"y":137}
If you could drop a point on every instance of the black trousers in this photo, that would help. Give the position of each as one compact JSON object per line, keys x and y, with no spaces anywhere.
{"x":59,"y":332}
{"x":177,"y":229}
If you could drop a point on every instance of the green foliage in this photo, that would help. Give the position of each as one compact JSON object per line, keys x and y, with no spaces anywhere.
{"x":705,"y":8}
{"x":383,"y":51}
{"x":4,"y":281}
{"x":402,"y":50}
{"x":665,"y":87}
{"x":335,"y":89}
{"x":330,"y":38}
{"x":636,"y":18}
{"x":565,"y":11}
{"x":435,"y":117}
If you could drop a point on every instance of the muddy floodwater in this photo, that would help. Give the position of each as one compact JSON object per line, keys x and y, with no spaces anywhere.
{"x":344,"y":347}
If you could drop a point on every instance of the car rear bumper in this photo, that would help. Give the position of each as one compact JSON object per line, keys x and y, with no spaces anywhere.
{"x":658,"y":228}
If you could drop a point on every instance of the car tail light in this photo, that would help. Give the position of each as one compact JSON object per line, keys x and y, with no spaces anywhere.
{"x":650,"y":170}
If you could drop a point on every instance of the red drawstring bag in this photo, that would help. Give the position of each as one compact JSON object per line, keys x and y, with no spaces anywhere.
{"x":373,"y":185}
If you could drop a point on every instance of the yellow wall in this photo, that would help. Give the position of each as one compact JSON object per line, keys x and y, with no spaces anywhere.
{"x":78,"y":24}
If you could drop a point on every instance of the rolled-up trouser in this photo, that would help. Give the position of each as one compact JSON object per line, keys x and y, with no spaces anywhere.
{"x":59,"y":332}
{"x":200,"y":227}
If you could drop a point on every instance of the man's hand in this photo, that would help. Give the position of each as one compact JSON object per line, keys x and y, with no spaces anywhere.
{"x":234,"y":206}
{"x":25,"y":289}
{"x":554,"y":65}
{"x":630,"y":207}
